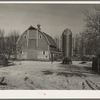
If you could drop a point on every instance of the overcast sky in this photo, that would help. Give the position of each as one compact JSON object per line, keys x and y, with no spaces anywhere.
{"x":53,"y":18}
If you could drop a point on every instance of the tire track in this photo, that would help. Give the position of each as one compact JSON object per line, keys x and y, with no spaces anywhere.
{"x":29,"y":83}
{"x":89,"y":84}
{"x":92,"y":85}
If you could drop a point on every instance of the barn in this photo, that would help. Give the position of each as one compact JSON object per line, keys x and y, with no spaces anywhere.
{"x":34,"y":44}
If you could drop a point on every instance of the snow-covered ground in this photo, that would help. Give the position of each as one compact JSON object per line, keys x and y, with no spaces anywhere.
{"x":38,"y":75}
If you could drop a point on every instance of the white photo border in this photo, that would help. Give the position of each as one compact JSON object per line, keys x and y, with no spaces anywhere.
{"x":49,"y":94}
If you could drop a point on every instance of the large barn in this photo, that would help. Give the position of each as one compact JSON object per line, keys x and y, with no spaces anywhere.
{"x":34,"y":44}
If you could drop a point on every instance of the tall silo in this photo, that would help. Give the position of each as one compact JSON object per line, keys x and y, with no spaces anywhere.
{"x":67,"y":43}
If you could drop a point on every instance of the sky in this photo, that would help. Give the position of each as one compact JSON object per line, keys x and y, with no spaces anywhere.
{"x":53,"y":18}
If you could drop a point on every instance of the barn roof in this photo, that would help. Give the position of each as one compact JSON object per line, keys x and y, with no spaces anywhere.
{"x":48,"y":38}
{"x":31,"y":28}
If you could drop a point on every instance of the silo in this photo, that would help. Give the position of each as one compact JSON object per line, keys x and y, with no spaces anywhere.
{"x":67,"y":43}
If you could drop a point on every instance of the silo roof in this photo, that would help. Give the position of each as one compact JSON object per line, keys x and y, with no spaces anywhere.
{"x":67,"y":32}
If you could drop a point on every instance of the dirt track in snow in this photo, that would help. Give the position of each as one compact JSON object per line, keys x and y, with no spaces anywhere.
{"x":38,"y":75}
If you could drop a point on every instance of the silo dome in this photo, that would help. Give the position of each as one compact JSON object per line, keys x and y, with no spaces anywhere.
{"x":67,"y":32}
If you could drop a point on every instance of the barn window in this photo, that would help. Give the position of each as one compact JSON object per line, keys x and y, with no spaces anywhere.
{"x":25,"y":36}
{"x":43,"y":52}
{"x":40,"y":37}
{"x":21,"y":52}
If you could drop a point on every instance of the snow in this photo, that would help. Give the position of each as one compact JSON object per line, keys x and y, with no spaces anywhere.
{"x":39,"y":75}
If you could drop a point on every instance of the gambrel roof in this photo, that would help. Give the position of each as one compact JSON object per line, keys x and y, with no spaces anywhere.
{"x":48,"y":38}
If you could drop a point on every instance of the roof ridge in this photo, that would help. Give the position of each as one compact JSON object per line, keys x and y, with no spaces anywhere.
{"x":31,"y":27}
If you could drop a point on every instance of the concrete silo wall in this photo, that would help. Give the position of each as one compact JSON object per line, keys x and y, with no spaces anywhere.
{"x":67,"y":43}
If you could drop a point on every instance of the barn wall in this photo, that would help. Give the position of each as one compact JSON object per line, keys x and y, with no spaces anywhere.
{"x":43,"y":55}
{"x":29,"y":47}
{"x":32,"y":54}
{"x":22,"y":55}
{"x":32,"y":40}
{"x":22,"y":47}
{"x":37,"y":55}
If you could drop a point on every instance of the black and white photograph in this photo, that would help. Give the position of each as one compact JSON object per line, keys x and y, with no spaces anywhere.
{"x":49,"y":46}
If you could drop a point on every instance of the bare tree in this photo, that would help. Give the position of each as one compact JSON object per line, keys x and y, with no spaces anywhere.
{"x":92,"y":32}
{"x":79,"y":48}
{"x":2,"y":42}
{"x":57,"y":41}
{"x":10,"y":43}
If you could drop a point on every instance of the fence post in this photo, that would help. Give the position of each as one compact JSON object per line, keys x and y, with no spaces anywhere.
{"x":95,"y":64}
